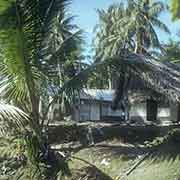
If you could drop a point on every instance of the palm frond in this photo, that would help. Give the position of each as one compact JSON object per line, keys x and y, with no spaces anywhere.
{"x":11,"y":147}
{"x":156,"y":8}
{"x":129,"y":26}
{"x":156,"y":22}
{"x":20,"y":41}
{"x":12,"y":119}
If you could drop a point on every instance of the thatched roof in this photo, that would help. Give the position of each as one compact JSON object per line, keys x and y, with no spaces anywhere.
{"x":160,"y":77}
{"x":139,"y":91}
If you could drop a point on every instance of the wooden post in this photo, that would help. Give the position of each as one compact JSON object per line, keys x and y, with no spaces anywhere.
{"x":151,"y":110}
{"x":100,"y":110}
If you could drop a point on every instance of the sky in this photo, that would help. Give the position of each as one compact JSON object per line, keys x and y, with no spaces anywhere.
{"x":87,"y":18}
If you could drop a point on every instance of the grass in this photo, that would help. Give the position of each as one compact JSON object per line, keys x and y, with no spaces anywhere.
{"x":114,"y":161}
{"x":160,"y":170}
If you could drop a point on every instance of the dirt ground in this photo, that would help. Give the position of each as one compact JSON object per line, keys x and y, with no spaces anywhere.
{"x":116,"y":161}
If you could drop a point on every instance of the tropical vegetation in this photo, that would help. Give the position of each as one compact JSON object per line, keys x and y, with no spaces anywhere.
{"x":175,"y":6}
{"x":41,"y":64}
{"x":40,"y":47}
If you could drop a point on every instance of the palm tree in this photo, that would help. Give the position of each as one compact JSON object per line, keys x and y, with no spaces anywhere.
{"x":172,"y":49}
{"x":53,"y":28}
{"x":125,"y":28}
{"x":129,"y":27}
{"x":26,"y":48}
{"x":63,"y":65}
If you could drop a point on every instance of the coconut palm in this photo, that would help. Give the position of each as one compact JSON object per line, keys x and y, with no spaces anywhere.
{"x":172,"y":49}
{"x":49,"y":28}
{"x":129,"y":27}
{"x":125,"y":28}
{"x":62,"y":66}
{"x":106,"y":34}
{"x":26,"y":31}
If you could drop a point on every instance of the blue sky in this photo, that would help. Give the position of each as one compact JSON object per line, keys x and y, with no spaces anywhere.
{"x":87,"y":18}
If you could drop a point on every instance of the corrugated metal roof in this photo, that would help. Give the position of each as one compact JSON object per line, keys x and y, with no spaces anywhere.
{"x":97,"y":94}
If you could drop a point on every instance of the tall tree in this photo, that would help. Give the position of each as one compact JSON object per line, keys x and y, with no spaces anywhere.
{"x":65,"y":44}
{"x":28,"y":31}
{"x":51,"y":46}
{"x":127,"y":28}
{"x":130,"y":27}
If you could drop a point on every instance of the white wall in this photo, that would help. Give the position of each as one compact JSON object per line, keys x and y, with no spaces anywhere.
{"x":163,"y":112}
{"x":138,"y":110}
{"x":95,"y":111}
{"x":84,"y":112}
{"x":115,"y":113}
{"x":91,"y":111}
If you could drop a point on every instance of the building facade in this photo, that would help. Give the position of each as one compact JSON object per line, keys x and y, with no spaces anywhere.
{"x":95,"y":105}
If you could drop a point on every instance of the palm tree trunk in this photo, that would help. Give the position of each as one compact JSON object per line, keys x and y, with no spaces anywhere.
{"x":120,"y":88}
{"x":109,"y":79}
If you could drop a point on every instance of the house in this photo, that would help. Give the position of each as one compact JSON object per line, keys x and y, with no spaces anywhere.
{"x":95,"y":105}
{"x":153,"y":90}
{"x":91,"y":105}
{"x":140,"y":106}
{"x":151,"y":94}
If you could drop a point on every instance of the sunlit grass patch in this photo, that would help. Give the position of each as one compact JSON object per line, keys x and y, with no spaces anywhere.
{"x":163,"y":165}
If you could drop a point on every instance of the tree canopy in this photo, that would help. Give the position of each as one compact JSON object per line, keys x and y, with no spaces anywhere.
{"x":175,"y":9}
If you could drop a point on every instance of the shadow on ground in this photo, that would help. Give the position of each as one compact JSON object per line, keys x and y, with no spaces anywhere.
{"x":89,"y":173}
{"x":168,"y":152}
